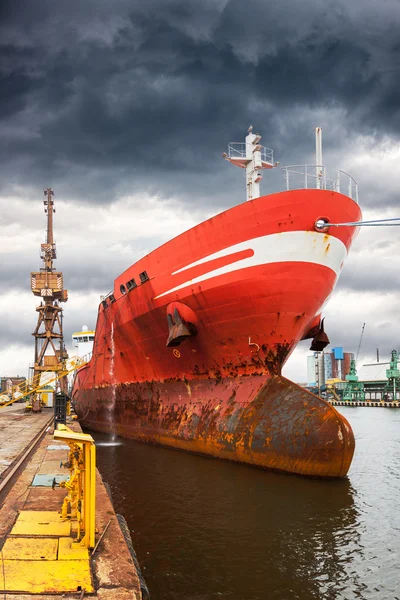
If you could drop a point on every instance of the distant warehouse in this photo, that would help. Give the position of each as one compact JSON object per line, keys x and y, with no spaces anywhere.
{"x":9,"y":382}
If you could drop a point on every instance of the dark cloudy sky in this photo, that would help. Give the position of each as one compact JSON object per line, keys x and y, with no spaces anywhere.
{"x":124,"y":108}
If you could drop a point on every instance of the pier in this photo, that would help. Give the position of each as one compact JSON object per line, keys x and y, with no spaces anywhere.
{"x":41,"y":549}
{"x":365,"y":403}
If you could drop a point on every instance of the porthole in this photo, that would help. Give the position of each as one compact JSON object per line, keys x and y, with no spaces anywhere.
{"x":131,"y":284}
{"x":122,"y":288}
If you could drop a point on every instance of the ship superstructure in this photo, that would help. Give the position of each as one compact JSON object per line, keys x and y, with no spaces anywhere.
{"x":83,"y":341}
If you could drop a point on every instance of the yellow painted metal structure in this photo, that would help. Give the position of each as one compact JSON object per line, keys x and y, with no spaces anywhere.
{"x":68,"y":549}
{"x":35,"y":516}
{"x":22,"y":548}
{"x":45,"y":576}
{"x":47,"y":552}
{"x":333,"y":390}
{"x":42,"y":527}
{"x":80,"y":502}
{"x":35,"y":385}
{"x":40,"y":557}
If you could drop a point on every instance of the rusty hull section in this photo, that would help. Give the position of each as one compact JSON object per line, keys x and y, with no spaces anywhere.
{"x":261,"y":420}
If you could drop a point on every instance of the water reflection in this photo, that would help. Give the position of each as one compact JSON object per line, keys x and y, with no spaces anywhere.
{"x":108,"y":444}
{"x":205,"y":528}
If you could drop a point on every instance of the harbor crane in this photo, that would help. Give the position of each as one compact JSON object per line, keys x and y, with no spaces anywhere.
{"x":359,"y":343}
{"x":47,"y":284}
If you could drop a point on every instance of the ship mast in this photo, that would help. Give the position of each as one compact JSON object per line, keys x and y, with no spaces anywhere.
{"x":253,"y":157}
{"x":48,"y":284}
{"x":319,"y":169}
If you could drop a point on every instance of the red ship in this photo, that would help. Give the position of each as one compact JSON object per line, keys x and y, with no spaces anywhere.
{"x":190,"y":344}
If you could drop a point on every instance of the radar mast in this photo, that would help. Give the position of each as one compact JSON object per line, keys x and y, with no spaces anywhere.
{"x":253,"y":157}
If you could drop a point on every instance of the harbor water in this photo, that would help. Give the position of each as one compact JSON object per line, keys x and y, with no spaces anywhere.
{"x":205,"y":528}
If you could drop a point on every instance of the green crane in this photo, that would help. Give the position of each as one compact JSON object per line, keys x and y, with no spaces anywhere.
{"x":393,"y":375}
{"x":353,"y":390}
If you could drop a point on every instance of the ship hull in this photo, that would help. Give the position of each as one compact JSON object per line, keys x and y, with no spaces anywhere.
{"x":266,"y":422}
{"x":249,"y":284}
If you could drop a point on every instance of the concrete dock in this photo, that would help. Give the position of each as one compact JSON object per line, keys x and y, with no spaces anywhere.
{"x":38,"y":556}
{"x":16,"y":432}
{"x":367,"y":403}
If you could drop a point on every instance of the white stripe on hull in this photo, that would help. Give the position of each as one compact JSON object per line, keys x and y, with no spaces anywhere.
{"x":288,"y":246}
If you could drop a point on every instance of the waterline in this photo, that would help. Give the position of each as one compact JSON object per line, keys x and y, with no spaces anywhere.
{"x":109,"y":443}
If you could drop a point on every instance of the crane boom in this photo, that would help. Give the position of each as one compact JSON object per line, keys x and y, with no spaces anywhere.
{"x":359,"y":343}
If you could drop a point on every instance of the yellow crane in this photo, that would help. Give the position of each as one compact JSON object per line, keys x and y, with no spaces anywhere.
{"x":38,"y":382}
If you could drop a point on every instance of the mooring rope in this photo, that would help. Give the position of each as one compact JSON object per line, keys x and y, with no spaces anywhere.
{"x":321,"y":224}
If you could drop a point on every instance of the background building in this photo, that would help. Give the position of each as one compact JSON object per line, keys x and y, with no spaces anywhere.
{"x":8,"y":382}
{"x":373,"y":371}
{"x":337,"y":363}
{"x":328,"y":365}
{"x":315,"y":369}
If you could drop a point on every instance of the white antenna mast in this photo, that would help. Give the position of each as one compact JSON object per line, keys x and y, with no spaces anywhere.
{"x":319,"y":169}
{"x":253,"y":157}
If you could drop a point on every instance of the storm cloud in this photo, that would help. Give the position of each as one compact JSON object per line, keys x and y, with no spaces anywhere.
{"x":125,"y":109}
{"x":106,"y":99}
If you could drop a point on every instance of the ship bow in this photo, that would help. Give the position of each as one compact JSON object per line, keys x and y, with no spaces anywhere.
{"x":297,"y":432}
